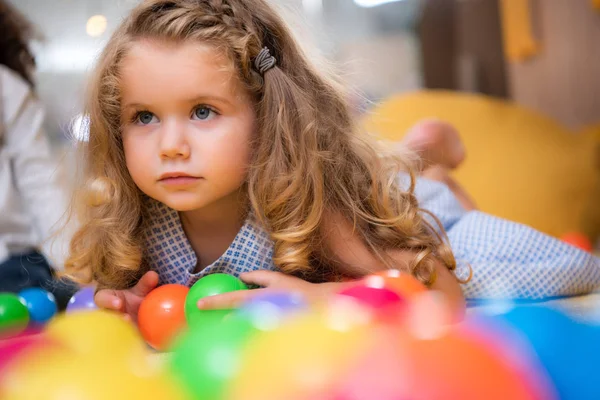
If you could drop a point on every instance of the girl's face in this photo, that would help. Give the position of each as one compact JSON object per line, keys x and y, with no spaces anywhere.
{"x":187,"y":124}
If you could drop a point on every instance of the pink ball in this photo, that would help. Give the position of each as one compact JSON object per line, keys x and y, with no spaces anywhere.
{"x":373,"y":297}
{"x":380,"y":373}
{"x":11,"y":349}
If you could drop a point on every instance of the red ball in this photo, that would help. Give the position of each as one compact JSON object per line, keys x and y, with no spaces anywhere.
{"x":161,"y":315}
{"x":578,"y":239}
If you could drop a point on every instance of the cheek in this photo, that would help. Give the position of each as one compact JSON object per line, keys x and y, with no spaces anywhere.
{"x":241,"y":155}
{"x":231,"y":158}
{"x":242,"y":151}
{"x":134,"y":160}
{"x":231,"y":153}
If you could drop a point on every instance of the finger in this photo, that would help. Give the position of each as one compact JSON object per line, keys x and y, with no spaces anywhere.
{"x":110,"y":299}
{"x":227,"y":300}
{"x":263,"y":278}
{"x":146,"y":284}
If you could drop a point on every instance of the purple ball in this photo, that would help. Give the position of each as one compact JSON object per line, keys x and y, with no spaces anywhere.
{"x":268,"y":310}
{"x":82,"y":300}
{"x":283,"y":301}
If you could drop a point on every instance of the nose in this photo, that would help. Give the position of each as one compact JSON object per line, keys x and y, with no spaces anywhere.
{"x":173,"y":142}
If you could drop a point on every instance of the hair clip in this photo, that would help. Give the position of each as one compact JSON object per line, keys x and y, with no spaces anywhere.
{"x":264,"y":61}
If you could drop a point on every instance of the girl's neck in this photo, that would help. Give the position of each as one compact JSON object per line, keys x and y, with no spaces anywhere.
{"x":211,"y":229}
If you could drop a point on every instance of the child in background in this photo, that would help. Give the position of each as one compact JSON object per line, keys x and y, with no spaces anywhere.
{"x":215,"y":145}
{"x":32,"y":198}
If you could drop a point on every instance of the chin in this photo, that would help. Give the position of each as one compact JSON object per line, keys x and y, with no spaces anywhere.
{"x":183,"y":203}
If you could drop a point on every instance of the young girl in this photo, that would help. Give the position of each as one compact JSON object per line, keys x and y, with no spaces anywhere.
{"x":216,"y":146}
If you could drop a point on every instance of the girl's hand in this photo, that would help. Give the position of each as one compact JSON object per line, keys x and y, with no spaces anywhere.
{"x":271,"y":281}
{"x":127,"y":301}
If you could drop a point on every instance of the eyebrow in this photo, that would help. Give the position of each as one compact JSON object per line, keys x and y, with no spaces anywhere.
{"x":194,"y":100}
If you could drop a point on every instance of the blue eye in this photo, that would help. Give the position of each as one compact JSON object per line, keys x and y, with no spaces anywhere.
{"x":145,"y":117}
{"x":203,"y":113}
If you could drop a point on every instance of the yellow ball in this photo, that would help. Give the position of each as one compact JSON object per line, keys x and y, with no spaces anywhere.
{"x":96,"y":333}
{"x":302,"y":358}
{"x":56,"y":374}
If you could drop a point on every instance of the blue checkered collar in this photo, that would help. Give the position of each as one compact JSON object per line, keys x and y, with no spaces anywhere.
{"x":170,"y":254}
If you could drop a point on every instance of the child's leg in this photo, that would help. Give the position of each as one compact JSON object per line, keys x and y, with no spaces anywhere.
{"x":441,"y":150}
{"x":437,"y":143}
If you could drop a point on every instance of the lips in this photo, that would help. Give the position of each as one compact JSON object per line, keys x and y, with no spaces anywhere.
{"x":178,"y":179}
{"x":176,"y":175}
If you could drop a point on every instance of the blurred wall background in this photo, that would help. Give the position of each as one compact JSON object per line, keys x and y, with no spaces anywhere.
{"x":376,"y":48}
{"x":381,"y":49}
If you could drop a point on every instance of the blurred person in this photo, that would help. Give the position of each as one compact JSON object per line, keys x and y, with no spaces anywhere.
{"x":32,"y":200}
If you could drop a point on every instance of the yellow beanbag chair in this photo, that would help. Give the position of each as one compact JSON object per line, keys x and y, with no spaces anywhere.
{"x":520,"y":165}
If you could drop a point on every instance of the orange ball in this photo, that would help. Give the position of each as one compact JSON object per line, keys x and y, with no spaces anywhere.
{"x":400,"y":282}
{"x":578,"y":239}
{"x":161,"y":315}
{"x":458,"y":366}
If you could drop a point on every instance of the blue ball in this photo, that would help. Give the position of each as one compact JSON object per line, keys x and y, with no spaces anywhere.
{"x":40,"y":303}
{"x":569,"y":350}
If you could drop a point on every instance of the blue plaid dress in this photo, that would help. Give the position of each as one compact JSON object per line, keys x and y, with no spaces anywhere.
{"x":509,"y":260}
{"x":172,"y":257}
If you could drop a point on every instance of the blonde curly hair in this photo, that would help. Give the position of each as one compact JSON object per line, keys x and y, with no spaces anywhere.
{"x":309,"y":160}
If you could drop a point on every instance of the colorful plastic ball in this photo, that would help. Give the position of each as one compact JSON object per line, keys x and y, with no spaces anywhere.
{"x":10,"y":349}
{"x":378,"y":373}
{"x":400,"y":282}
{"x":96,"y":333}
{"x":204,"y":317}
{"x":82,"y":300}
{"x":161,"y":315}
{"x":578,"y":240}
{"x":14,"y":316}
{"x":40,"y":304}
{"x":269,"y":309}
{"x":284,"y":301}
{"x":301,"y":359}
{"x":568,"y":350}
{"x":508,"y":344}
{"x":208,"y":356}
{"x":52,"y":374}
{"x":209,"y":285}
{"x":454,"y":366}
{"x":375,"y":297}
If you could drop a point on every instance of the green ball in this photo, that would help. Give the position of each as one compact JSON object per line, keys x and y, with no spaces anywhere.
{"x":210,"y":285}
{"x":207,"y":357}
{"x":203,"y":317}
{"x":14,"y":316}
